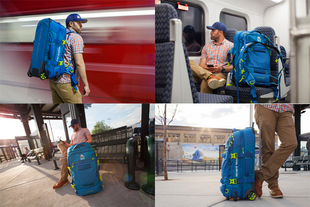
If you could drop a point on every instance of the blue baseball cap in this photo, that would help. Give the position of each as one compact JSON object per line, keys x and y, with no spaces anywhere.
{"x":75,"y":17}
{"x":218,"y":25}
{"x":73,"y":122}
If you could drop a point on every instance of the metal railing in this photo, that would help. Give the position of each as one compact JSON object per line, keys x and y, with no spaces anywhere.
{"x":183,"y":166}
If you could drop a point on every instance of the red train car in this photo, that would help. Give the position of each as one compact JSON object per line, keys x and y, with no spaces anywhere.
{"x":119,"y":49}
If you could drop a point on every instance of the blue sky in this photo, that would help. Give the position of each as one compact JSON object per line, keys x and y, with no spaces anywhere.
{"x":119,"y":114}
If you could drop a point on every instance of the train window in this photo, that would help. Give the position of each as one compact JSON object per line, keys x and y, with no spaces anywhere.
{"x":192,"y":24}
{"x":233,"y":21}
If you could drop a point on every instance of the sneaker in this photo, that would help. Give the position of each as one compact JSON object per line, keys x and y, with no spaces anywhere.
{"x":258,"y":185}
{"x":275,"y":192}
{"x":60,"y":184}
{"x":215,"y":82}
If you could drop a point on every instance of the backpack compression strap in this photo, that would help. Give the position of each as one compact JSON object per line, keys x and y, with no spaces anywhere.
{"x":70,"y":70}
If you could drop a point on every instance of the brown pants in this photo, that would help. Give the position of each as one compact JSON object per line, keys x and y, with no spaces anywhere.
{"x":269,"y":122}
{"x":63,"y":93}
{"x":201,"y":75}
{"x":64,"y":161}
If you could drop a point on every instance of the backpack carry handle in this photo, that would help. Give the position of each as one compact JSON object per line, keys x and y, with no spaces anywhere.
{"x":78,"y":146}
{"x":256,"y":30}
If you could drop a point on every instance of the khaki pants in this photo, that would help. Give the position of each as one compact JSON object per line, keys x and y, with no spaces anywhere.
{"x":63,"y":93}
{"x":64,"y":161}
{"x":201,"y":75}
{"x":269,"y":122}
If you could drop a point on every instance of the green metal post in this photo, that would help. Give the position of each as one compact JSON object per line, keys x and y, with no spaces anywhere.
{"x":131,"y":181}
{"x":149,"y":187}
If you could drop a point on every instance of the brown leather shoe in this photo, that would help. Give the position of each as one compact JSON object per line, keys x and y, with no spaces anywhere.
{"x":215,"y":82}
{"x":60,"y":184}
{"x":258,"y":185}
{"x":275,"y":192}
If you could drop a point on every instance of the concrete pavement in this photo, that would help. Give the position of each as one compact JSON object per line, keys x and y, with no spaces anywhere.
{"x":202,"y":189}
{"x":30,"y":184}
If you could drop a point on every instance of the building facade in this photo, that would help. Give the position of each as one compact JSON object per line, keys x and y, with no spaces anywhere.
{"x":178,"y":136}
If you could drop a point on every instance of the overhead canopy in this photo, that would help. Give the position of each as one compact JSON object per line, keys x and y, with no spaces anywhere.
{"x":14,"y":111}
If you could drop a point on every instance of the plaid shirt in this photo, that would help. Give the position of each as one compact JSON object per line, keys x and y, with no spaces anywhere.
{"x":80,"y":136}
{"x":279,"y":107}
{"x":74,"y":45}
{"x":216,"y":54}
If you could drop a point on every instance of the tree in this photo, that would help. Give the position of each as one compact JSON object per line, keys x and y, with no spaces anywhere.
{"x":100,"y":126}
{"x":162,"y":118}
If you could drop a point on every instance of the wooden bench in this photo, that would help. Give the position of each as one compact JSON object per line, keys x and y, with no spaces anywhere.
{"x":36,"y":154}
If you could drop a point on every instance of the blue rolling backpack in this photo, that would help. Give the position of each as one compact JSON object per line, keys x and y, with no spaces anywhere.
{"x":47,"y":60}
{"x":84,"y":168}
{"x":238,"y":165}
{"x":251,"y":60}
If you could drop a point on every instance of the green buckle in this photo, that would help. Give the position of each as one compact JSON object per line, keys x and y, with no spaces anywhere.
{"x":63,"y":42}
{"x":242,"y":78}
{"x":60,"y":63}
{"x":226,"y":191}
{"x":242,"y":71}
{"x":233,"y":181}
{"x":71,"y":71}
{"x":252,"y":82}
{"x":233,"y":155}
{"x":43,"y":77}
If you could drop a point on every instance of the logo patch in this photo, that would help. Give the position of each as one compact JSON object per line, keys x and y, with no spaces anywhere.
{"x":259,"y":39}
{"x":82,"y":157}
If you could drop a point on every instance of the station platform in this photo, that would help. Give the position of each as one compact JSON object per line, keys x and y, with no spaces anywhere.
{"x":202,"y":189}
{"x":30,"y":184}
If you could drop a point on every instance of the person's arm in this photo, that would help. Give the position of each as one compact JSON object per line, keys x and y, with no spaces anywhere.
{"x":80,"y":66}
{"x":218,"y":69}
{"x":203,"y":63}
{"x":89,"y":139}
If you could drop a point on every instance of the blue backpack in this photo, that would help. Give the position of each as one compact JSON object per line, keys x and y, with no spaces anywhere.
{"x":251,"y":61}
{"x":84,"y":168}
{"x":47,"y":60}
{"x":238,"y":165}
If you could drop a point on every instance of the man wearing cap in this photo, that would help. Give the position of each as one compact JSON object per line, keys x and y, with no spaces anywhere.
{"x":79,"y":135}
{"x":62,"y":91}
{"x":215,"y":54}
{"x":189,"y":36}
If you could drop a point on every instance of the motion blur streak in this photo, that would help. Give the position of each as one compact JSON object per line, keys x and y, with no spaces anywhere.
{"x":119,"y":54}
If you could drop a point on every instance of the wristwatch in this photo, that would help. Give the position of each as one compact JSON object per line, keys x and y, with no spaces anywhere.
{"x":223,"y":71}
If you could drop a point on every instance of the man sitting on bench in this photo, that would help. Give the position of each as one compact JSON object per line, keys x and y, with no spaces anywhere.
{"x":80,"y":135}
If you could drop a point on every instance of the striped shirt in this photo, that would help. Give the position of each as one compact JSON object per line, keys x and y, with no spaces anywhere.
{"x":279,"y":107}
{"x":80,"y":136}
{"x":216,"y":54}
{"x":74,"y":45}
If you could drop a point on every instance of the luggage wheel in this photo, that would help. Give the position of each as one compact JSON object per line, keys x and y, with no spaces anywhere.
{"x":252,"y":196}
{"x":29,"y":74}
